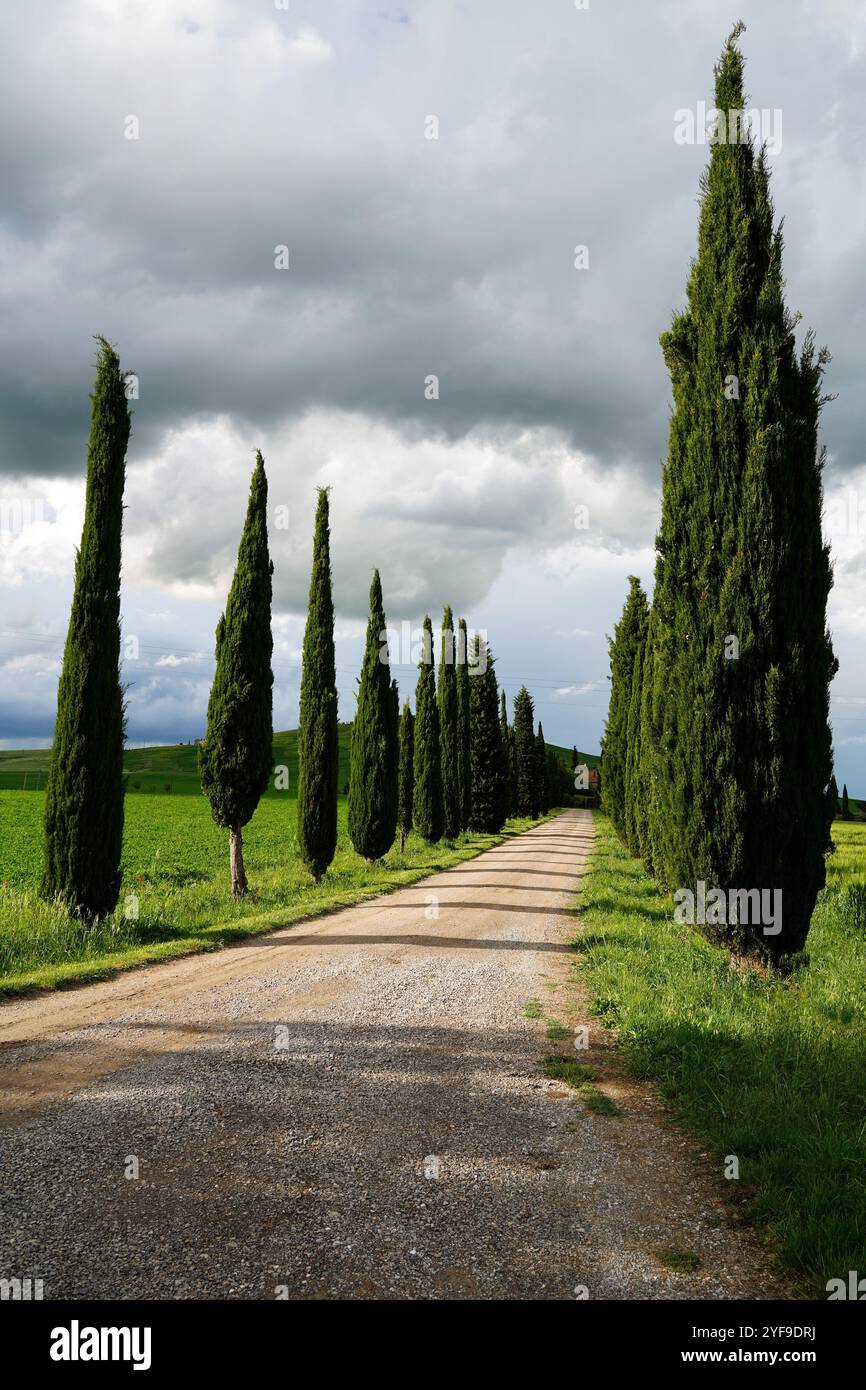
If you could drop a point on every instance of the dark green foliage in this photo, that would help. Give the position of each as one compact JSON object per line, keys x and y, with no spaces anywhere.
{"x":507,"y":734}
{"x":575,"y":758}
{"x":235,"y":758}
{"x":846,"y":809}
{"x":832,"y":799}
{"x":740,"y":733}
{"x":555,"y":776}
{"x":489,"y":770}
{"x":635,"y":800}
{"x":372,"y":807}
{"x":449,"y":731}
{"x":463,"y":737}
{"x":84,"y":794}
{"x":318,"y":749}
{"x":628,"y":636}
{"x":525,"y":761}
{"x":406,"y":773}
{"x":428,"y":812}
{"x":543,"y":802}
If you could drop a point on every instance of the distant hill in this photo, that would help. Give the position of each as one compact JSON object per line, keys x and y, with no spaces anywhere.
{"x":174,"y":766}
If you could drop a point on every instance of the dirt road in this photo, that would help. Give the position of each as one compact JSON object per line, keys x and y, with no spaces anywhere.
{"x":353,"y":1107}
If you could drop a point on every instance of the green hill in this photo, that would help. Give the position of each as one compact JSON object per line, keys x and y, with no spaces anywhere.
{"x":174,"y":766}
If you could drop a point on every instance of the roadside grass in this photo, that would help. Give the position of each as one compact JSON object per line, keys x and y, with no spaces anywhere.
{"x":680,"y":1261}
{"x":766,"y":1069}
{"x":579,"y":1078}
{"x":175,"y":875}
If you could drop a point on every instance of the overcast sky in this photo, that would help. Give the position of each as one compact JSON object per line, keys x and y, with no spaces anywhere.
{"x":308,"y":127}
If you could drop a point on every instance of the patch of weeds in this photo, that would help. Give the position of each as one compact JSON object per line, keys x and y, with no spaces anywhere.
{"x":564,"y":1069}
{"x":680,"y":1261}
{"x":596,"y":1101}
{"x":556,"y":1031}
{"x":532,"y":1008}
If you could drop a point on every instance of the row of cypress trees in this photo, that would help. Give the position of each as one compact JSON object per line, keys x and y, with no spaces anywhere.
{"x":717,"y":752}
{"x":452,"y":766}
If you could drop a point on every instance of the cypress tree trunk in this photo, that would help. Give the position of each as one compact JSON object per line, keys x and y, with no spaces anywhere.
{"x":628,"y":636}
{"x":373,"y":774}
{"x":429,"y":815}
{"x":524,"y":754}
{"x":236,"y":757}
{"x":84,"y":794}
{"x":240,"y":887}
{"x":318,"y":739}
{"x":742,"y":660}
{"x":463,"y":717}
{"x":449,"y":731}
{"x":488,"y":771}
{"x":407,"y":774}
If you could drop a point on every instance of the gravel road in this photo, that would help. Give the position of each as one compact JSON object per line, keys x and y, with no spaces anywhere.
{"x":353,"y":1107}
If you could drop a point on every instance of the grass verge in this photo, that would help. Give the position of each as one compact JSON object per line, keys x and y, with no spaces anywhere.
{"x":769,"y":1072}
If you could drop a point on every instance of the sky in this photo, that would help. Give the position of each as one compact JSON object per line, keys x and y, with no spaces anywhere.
{"x":350,"y":235}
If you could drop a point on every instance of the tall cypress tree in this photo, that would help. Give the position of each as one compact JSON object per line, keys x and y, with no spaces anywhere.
{"x":541,"y":771}
{"x":846,"y":808}
{"x":84,"y":795}
{"x":525,"y":762}
{"x":373,"y":773}
{"x":407,"y":774}
{"x":743,"y":660}
{"x":833,"y":799}
{"x":428,"y":814}
{"x":449,"y":730}
{"x":488,"y":765}
{"x":235,"y":759}
{"x":463,"y":735}
{"x":318,"y":739}
{"x":634,"y":826}
{"x":509,"y":791}
{"x":629,"y":634}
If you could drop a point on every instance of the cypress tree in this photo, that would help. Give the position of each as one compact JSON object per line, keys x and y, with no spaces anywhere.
{"x":373,"y":767}
{"x":463,"y":734}
{"x":488,"y":766}
{"x":742,"y":660}
{"x":543,"y":801}
{"x":635,"y":800}
{"x":318,"y":740}
{"x":407,"y":774}
{"x":236,"y":756}
{"x":629,"y":634}
{"x":449,"y":730}
{"x":428,"y":812}
{"x":846,"y":809}
{"x":507,"y":757}
{"x":84,"y":794}
{"x":833,"y":799}
{"x":554,"y":778}
{"x":525,"y":762}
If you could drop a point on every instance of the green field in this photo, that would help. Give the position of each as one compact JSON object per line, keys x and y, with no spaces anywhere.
{"x":768,"y":1069}
{"x":175,"y":875}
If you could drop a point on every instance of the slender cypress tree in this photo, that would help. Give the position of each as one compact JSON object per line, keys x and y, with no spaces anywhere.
{"x":507,"y":756}
{"x":846,"y":809}
{"x":373,"y":769}
{"x":428,"y":812}
{"x":449,"y":730}
{"x":463,"y":735}
{"x":634,"y":826}
{"x":742,"y":660}
{"x":318,"y":739}
{"x":541,"y":771}
{"x":407,"y":774}
{"x":489,"y":779}
{"x":833,"y":799}
{"x":235,"y":759}
{"x":525,"y":763}
{"x":629,"y":634}
{"x":84,"y":795}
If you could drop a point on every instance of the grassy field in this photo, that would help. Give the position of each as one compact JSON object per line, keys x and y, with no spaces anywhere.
{"x":175,"y":867}
{"x":770,"y":1070}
